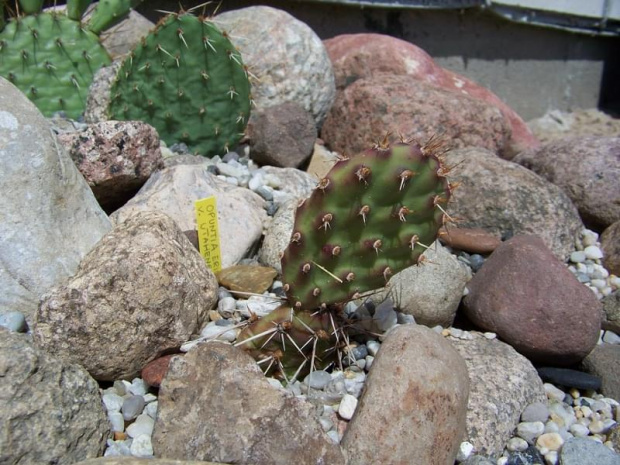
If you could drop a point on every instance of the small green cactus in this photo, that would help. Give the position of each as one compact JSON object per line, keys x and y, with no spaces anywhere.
{"x":373,"y":215}
{"x":188,"y":81}
{"x":52,"y":56}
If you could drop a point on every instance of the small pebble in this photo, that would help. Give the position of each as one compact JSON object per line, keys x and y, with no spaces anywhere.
{"x":373,"y":347}
{"x":138,"y":387}
{"x":476,"y":261}
{"x":593,"y":252}
{"x":347,"y":406}
{"x":318,"y":379}
{"x":113,"y":402}
{"x":530,"y":430}
{"x":151,"y":409}
{"x":578,"y":256}
{"x":516,"y":444}
{"x":143,"y":425}
{"x":549,"y":442}
{"x":13,"y":321}
{"x":465,"y":450}
{"x":554,"y":393}
{"x":117,"y":421}
{"x":141,"y":446}
{"x":132,"y":407}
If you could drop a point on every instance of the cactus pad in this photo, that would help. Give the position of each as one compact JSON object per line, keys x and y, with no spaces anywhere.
{"x":289,"y":343}
{"x":372,"y":216}
{"x":187,"y":80}
{"x":51,"y":59}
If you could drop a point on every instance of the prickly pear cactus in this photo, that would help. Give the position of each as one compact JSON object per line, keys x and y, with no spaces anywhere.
{"x":373,"y":215}
{"x":188,"y":81}
{"x":52,"y":56}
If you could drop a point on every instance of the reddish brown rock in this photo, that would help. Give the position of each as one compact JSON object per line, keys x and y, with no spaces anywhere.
{"x":358,"y":56}
{"x":153,"y":373}
{"x":282,"y":135}
{"x":472,"y":240}
{"x":369,"y":108}
{"x":610,"y":244}
{"x":534,"y":303}
{"x":587,"y":169}
{"x":115,"y":157}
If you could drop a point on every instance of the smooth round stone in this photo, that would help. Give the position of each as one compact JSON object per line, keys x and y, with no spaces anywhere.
{"x":562,"y":414}
{"x":579,"y":430}
{"x":405,"y":319}
{"x":255,"y":181}
{"x":318,"y":379}
{"x":578,"y":256}
{"x":354,"y":382}
{"x":369,"y":360}
{"x":593,"y":252}
{"x":121,"y":387}
{"x":530,"y":430}
{"x":112,"y":402}
{"x":599,"y":272}
{"x":465,"y":450}
{"x":549,"y":442}
{"x":13,"y":321}
{"x":538,"y":411}
{"x":347,"y":406}
{"x":569,"y":378}
{"x":117,"y":422}
{"x":516,"y":444}
{"x":600,"y":284}
{"x":554,"y":393}
{"x":132,"y":407}
{"x":601,"y":426}
{"x":552,"y":427}
{"x":143,"y":425}
{"x":141,"y":446}
{"x":359,"y":352}
{"x":373,"y":347}
{"x":361,"y":363}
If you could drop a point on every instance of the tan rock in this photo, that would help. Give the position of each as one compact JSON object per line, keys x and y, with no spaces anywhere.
{"x":247,"y":278}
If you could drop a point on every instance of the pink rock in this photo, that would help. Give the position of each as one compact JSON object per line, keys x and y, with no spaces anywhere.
{"x":368,"y":108}
{"x":357,"y":56}
{"x":115,"y":157}
{"x":534,"y":303}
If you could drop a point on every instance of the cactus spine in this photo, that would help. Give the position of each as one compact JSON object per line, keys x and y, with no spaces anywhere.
{"x":188,"y":81}
{"x":52,"y":56}
{"x":373,"y":215}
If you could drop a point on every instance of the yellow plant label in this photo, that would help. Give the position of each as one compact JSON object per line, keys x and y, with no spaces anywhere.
{"x":208,"y":232}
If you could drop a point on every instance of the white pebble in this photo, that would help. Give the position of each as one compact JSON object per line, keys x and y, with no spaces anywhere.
{"x":599,"y":283}
{"x":347,"y":406}
{"x":598,"y":272}
{"x":141,"y":446}
{"x":221,"y":333}
{"x":117,"y":448}
{"x":588,"y":237}
{"x":226,"y":306}
{"x":578,"y":430}
{"x":256,"y":181}
{"x":551,"y":427}
{"x":151,"y":409}
{"x":148,"y":397}
{"x":551,"y":457}
{"x":138,"y":387}
{"x":326,"y":423}
{"x":143,"y":425}
{"x":502,"y":461}
{"x":554,"y":393}
{"x":369,"y":360}
{"x":489,"y":335}
{"x":578,"y":256}
{"x":113,"y":402}
{"x":530,"y":430}
{"x":465,"y":450}
{"x":373,"y":347}
{"x":117,"y":421}
{"x":593,"y":252}
{"x":516,"y":445}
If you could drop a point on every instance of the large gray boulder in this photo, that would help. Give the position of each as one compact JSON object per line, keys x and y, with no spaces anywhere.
{"x":49,"y":218}
{"x":50,"y":411}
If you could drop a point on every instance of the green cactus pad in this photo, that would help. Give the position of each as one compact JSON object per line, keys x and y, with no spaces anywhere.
{"x":52,"y":60}
{"x":31,"y":6}
{"x":372,"y":216}
{"x":187,"y":80}
{"x":287,"y":342}
{"x":108,"y":13}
